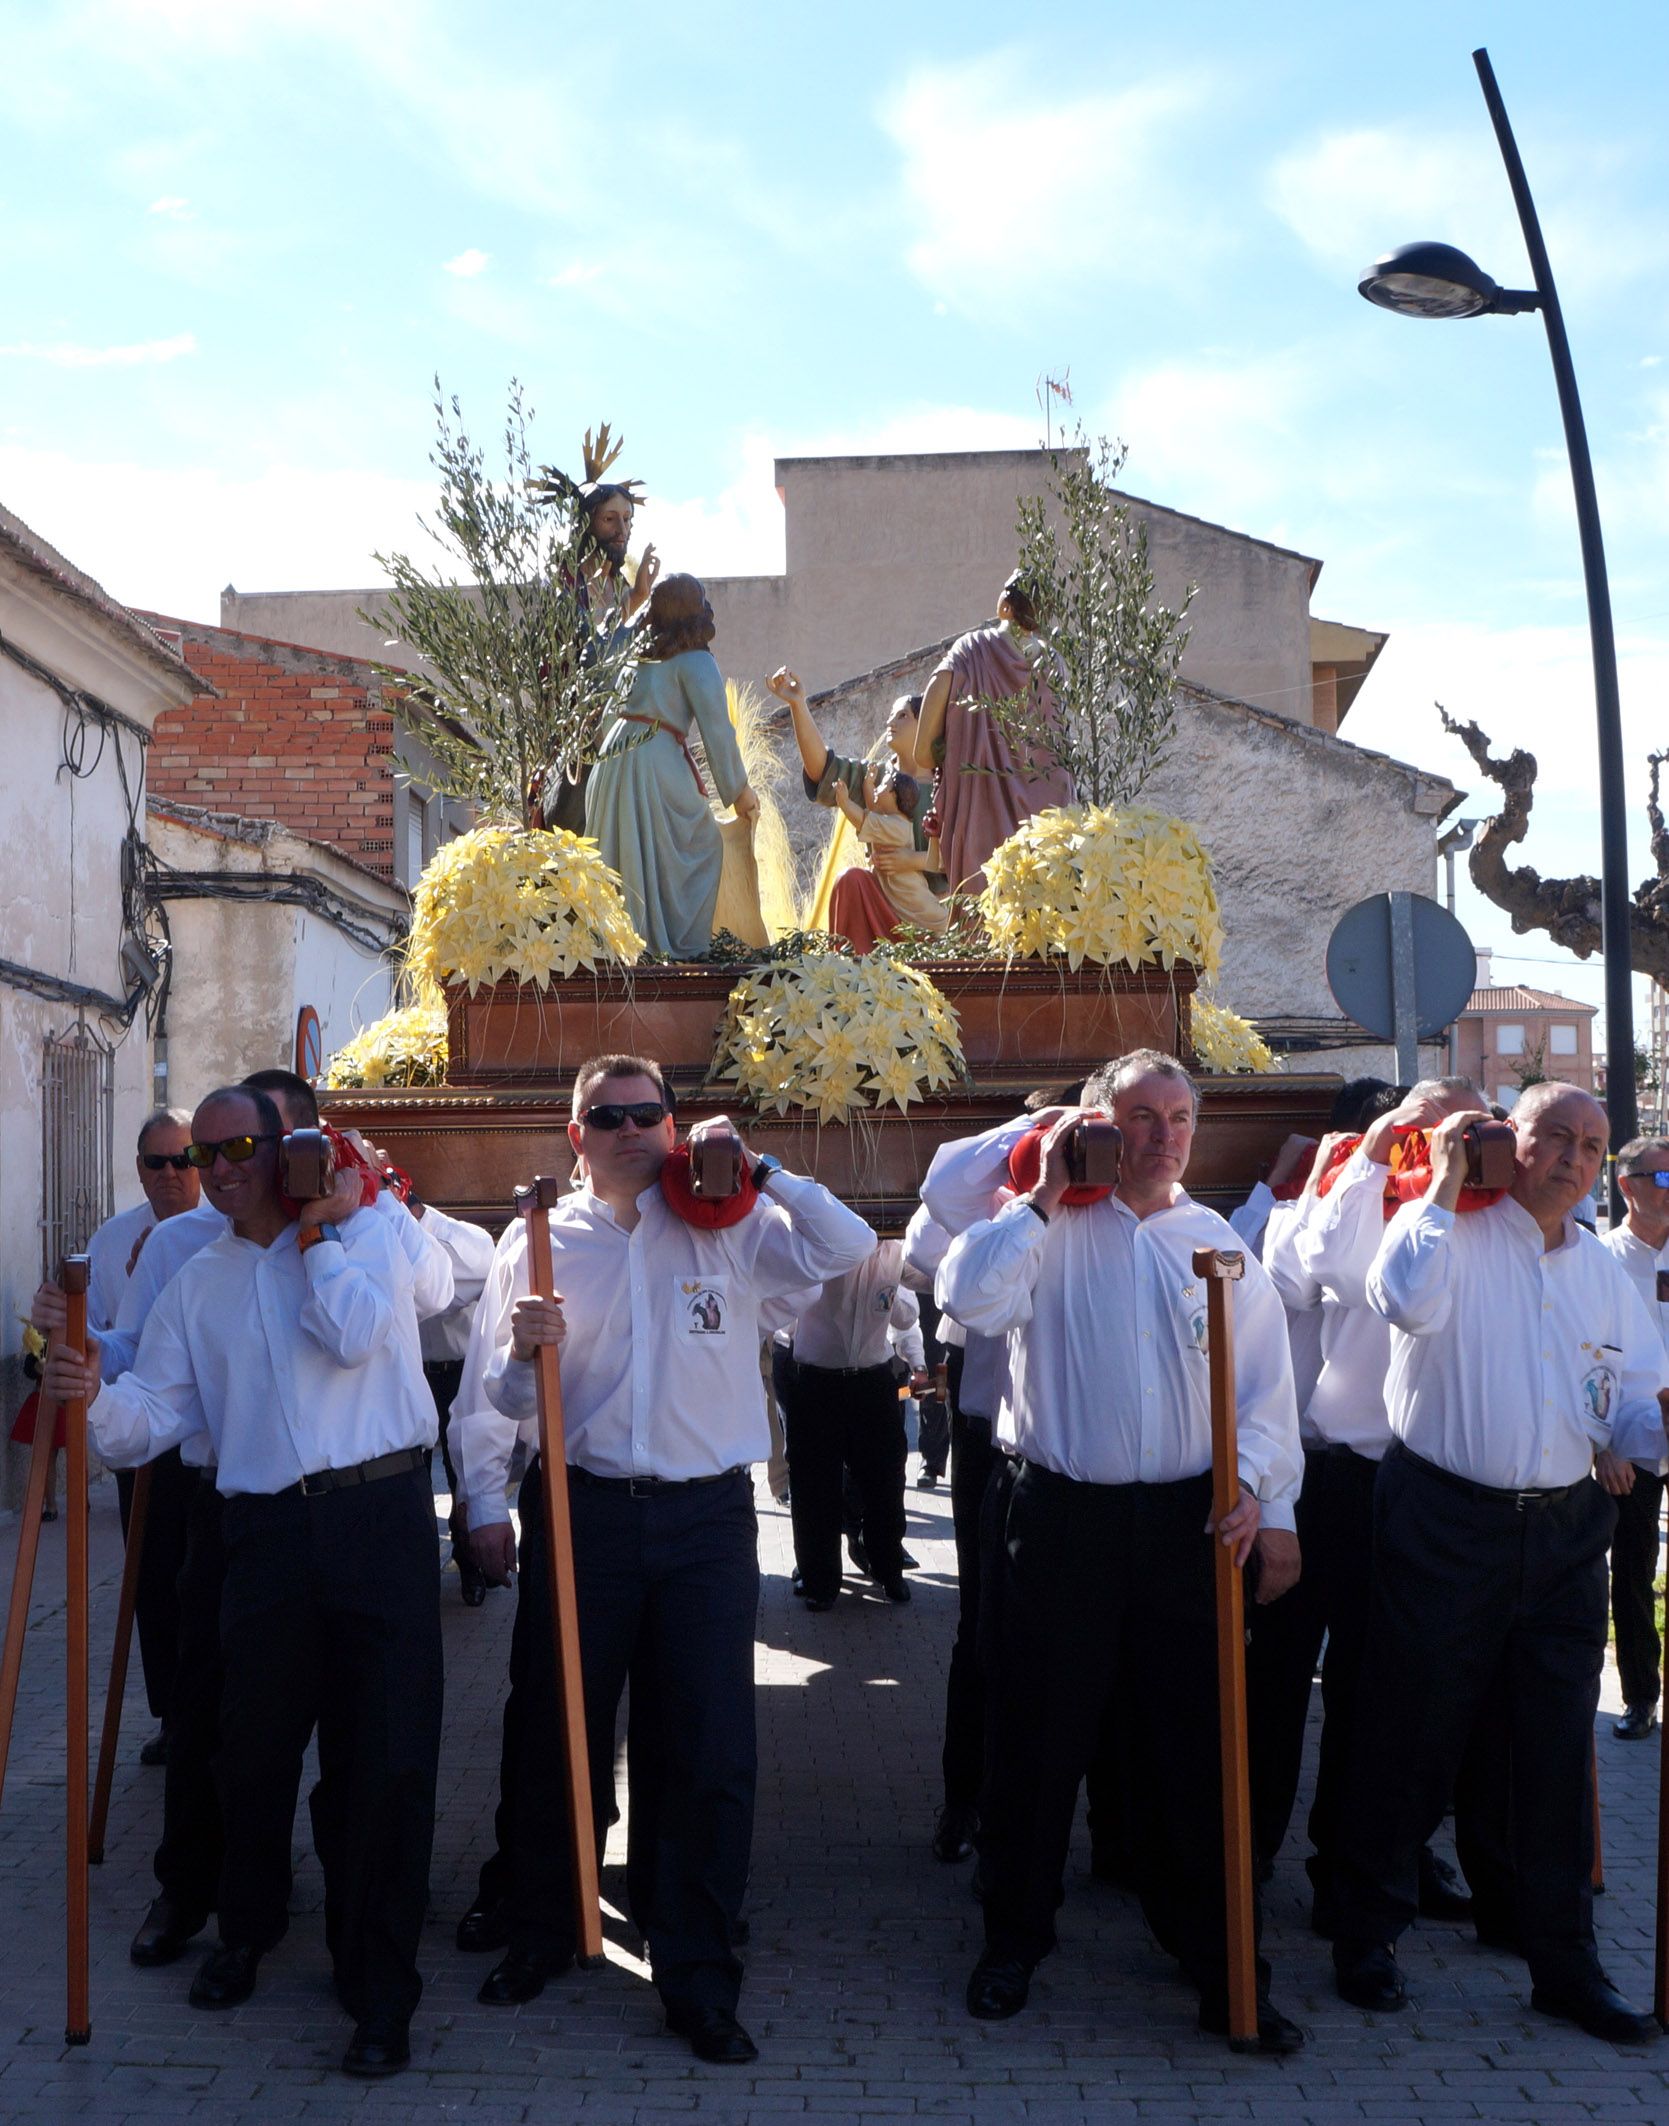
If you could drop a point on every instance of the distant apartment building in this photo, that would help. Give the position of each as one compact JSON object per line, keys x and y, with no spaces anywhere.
{"x":1510,"y":1036}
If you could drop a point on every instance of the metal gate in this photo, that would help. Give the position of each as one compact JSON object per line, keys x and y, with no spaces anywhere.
{"x":78,"y":1107}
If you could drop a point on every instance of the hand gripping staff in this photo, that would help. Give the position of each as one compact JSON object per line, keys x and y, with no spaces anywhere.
{"x":1220,"y":1270}
{"x":531,"y":1206}
{"x":72,"y":1281}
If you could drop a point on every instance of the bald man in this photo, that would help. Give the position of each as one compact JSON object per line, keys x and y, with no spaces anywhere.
{"x":1523,"y":1366}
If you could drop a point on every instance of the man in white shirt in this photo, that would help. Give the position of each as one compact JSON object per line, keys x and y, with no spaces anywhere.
{"x":841,"y":1411}
{"x":445,"y":1339}
{"x":659,"y":1325}
{"x":1641,"y":1245}
{"x":170,"y":1188}
{"x":289,"y":1346}
{"x":1107,"y":1596}
{"x":1519,"y":1354}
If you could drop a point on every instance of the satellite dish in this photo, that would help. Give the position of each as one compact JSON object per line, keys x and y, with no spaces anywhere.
{"x":1403,"y":968}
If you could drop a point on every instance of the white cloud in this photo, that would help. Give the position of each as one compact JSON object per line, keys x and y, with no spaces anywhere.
{"x":468,"y":264}
{"x":71,"y":354}
{"x":580,"y":274}
{"x":172,"y":207}
{"x":1017,"y":193}
{"x":1632,"y":482}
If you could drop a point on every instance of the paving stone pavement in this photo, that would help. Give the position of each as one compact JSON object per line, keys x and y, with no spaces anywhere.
{"x":861,"y":1941}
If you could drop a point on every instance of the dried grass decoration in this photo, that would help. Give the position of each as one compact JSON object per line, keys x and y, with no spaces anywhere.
{"x":1091,"y":883}
{"x":833,"y":1035}
{"x":525,"y":905}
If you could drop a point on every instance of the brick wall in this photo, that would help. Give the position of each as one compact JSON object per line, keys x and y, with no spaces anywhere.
{"x":296,"y":736}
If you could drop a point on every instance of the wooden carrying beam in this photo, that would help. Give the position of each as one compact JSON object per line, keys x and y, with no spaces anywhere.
{"x":532,"y":1204}
{"x":1219,"y":1270}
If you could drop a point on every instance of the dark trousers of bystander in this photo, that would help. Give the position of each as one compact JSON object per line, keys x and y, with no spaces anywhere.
{"x":1634,"y":1551}
{"x":1107,"y":1602}
{"x":189,"y":1857}
{"x":667,"y":1584}
{"x":329,"y":1617}
{"x":972,"y":1461}
{"x":852,"y":1418}
{"x":156,"y":1604}
{"x":1482,"y":1606}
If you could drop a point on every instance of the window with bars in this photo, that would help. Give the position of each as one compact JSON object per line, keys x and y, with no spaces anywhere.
{"x":78,"y":1108}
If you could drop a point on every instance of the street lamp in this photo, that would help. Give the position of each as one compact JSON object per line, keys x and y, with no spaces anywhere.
{"x":1437,"y":281}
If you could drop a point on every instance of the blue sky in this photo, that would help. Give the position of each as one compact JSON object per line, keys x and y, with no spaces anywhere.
{"x":237,"y":239}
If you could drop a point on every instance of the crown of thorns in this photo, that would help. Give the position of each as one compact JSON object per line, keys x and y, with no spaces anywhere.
{"x":553,"y":485}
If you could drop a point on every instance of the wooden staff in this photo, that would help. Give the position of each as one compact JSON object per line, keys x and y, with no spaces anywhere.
{"x":1596,"y":1875}
{"x":23,"y":1567}
{"x":78,"y":2023}
{"x":532,"y":1205}
{"x":1219,"y":1271}
{"x":132,"y":1558}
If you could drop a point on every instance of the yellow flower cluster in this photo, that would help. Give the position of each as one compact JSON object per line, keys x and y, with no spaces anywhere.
{"x":505,"y":902}
{"x":406,"y":1047}
{"x":1092,"y":883}
{"x":832,"y":1034}
{"x":1224,"y":1041}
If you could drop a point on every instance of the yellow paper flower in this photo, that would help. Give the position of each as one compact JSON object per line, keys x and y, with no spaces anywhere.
{"x":1090,"y":883}
{"x":406,"y":1047}
{"x":503,"y":902}
{"x":1225,"y":1042}
{"x":833,"y":1034}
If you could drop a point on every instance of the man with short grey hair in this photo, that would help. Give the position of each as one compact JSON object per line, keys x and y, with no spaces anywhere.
{"x":1641,"y":1244}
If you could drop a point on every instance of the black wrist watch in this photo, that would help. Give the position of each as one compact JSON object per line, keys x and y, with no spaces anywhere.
{"x":1036,"y":1208}
{"x":763,"y":1168}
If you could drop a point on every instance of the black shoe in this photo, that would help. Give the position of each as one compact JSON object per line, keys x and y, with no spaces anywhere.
{"x":953,"y":1833}
{"x":998,"y":1986}
{"x":484,"y":1926}
{"x":816,"y":1605}
{"x":896,"y":1588}
{"x":1277,"y":2033}
{"x":155,"y":1751}
{"x":1501,"y":1935}
{"x":1442,"y":1893}
{"x":1595,"y":2005}
{"x":860,"y":1556}
{"x":797,"y":1583}
{"x":927,"y":1479}
{"x":908,"y":1563}
{"x":164,"y":1933}
{"x":379,"y":2047}
{"x":227,"y":1977}
{"x":1369,"y":1978}
{"x":1636,"y":1724}
{"x":713,"y":2035}
{"x":521,"y":1976}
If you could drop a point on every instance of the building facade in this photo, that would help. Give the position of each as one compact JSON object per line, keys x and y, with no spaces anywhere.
{"x":1510,"y":1036}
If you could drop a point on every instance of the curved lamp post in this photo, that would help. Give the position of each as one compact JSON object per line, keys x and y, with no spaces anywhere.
{"x":1435,"y":280}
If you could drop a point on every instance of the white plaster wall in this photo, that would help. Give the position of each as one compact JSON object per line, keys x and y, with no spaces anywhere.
{"x":347,"y":986}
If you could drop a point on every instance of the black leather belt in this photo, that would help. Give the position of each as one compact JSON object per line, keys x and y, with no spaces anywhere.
{"x":400,"y":1463}
{"x":882,"y":1365}
{"x":1521,"y":1501}
{"x":643,"y":1487}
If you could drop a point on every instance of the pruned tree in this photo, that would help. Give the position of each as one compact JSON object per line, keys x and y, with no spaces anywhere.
{"x":1116,"y":651}
{"x":1567,"y":909}
{"x":514,"y":674}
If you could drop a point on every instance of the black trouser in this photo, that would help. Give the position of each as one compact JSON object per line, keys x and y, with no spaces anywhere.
{"x":933,"y":1411}
{"x":1108,"y":1600}
{"x":189,"y":1858}
{"x":156,"y":1606}
{"x":330,"y":1616}
{"x":1633,"y":1577}
{"x":1480,"y":1607}
{"x":972,"y":1459}
{"x":835,"y":1418}
{"x":667,"y":1584}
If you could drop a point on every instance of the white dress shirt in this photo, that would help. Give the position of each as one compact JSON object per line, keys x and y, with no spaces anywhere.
{"x":1511,"y":1362}
{"x":1322,"y":1259}
{"x":1106,"y":1327}
{"x":469,"y":1249}
{"x":171,"y":1246}
{"x":1267,"y":1229}
{"x":845,"y":1324}
{"x":660,"y":1365}
{"x":1644,"y":1266}
{"x":287,"y":1363}
{"x":107,"y":1261}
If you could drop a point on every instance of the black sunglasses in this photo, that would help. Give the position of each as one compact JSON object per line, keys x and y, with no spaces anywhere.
{"x":644,"y":1114}
{"x":237,"y":1149}
{"x":154,"y":1162}
{"x":1647,"y":1173}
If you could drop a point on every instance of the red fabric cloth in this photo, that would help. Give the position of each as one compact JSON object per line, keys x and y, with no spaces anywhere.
{"x":698,"y":1210}
{"x":1025,"y":1164}
{"x":986,"y":786}
{"x":1289,"y":1190}
{"x":23,"y":1425}
{"x":345,"y":1158}
{"x":859,"y":910}
{"x":1410,"y":1175}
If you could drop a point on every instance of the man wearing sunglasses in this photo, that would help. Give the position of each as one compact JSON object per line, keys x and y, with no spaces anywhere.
{"x":288,"y":1348}
{"x":659,"y":1327}
{"x":1641,"y":1245}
